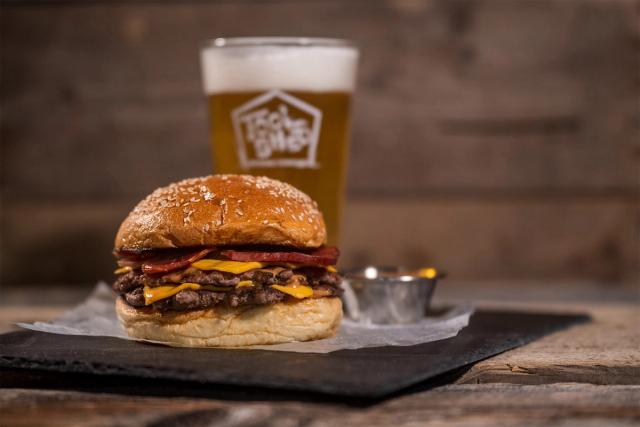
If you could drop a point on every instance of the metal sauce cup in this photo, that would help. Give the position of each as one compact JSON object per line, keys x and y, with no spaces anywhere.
{"x":388,"y":295}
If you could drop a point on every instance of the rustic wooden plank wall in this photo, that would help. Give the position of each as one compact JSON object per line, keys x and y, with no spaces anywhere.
{"x":497,"y":139}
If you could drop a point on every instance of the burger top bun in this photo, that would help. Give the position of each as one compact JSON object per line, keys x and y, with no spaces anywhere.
{"x":223,"y":210}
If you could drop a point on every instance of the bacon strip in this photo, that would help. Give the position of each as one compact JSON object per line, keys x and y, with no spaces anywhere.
{"x":164,"y":265}
{"x":155,"y":263}
{"x":326,"y":255}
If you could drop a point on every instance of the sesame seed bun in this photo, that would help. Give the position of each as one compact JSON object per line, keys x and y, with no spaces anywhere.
{"x":223,"y":210}
{"x":304,"y":320}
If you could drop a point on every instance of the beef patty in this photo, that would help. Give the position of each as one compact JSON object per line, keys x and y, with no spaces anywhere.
{"x":130,"y":287}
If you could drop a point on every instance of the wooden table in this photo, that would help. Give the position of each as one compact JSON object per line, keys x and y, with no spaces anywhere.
{"x":586,"y":375}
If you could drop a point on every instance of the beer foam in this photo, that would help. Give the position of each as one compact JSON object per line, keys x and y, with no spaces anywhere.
{"x":254,"y":68}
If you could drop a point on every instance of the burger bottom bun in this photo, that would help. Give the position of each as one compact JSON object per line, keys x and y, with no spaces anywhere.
{"x":304,"y":320}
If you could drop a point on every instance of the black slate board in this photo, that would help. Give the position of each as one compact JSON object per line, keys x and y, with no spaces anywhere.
{"x":363,"y":373}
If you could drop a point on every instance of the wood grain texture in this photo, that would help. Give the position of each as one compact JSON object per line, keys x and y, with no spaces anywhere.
{"x":456,"y":405}
{"x":536,"y":238}
{"x":582,"y":239}
{"x":496,"y":392}
{"x":454,"y":97}
{"x":604,"y":351}
{"x":508,"y":129}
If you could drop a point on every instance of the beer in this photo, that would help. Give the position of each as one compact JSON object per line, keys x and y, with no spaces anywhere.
{"x":280,"y":108}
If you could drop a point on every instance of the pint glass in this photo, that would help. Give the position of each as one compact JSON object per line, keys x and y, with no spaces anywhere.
{"x":280,"y":107}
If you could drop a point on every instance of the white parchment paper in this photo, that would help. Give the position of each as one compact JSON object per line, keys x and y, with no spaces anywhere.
{"x":96,"y":316}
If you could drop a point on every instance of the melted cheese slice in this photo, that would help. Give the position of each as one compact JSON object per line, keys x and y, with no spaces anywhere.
{"x":300,"y":291}
{"x":235,"y":267}
{"x":152,"y":295}
{"x":244,"y":284}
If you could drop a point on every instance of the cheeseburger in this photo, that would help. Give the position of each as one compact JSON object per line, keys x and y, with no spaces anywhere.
{"x":226,"y":260}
